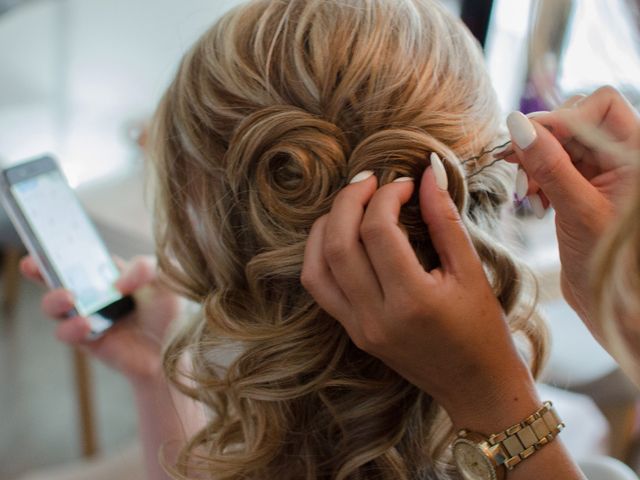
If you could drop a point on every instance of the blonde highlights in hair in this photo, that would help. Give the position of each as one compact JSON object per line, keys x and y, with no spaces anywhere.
{"x":270,"y":115}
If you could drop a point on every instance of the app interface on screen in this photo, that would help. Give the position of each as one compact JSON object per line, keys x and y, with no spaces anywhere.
{"x":69,"y":240}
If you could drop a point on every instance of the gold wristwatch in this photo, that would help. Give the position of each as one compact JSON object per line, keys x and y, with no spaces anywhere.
{"x":480,"y":458}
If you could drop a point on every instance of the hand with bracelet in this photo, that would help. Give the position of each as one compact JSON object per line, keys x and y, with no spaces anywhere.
{"x":360,"y":268}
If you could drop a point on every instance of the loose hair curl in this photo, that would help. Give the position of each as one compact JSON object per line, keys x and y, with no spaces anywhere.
{"x":270,"y":115}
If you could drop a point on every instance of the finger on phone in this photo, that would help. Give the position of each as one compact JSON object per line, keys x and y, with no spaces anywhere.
{"x":73,"y":331}
{"x":121,"y":263}
{"x":57,"y":303}
{"x":30,"y":269}
{"x":136,"y":274}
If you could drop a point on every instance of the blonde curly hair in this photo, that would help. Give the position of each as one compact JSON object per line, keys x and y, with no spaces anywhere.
{"x":271,"y":113}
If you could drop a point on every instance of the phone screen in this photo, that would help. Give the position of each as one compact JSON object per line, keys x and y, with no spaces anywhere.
{"x":69,"y":240}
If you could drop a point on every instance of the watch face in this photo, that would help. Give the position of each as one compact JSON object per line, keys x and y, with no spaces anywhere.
{"x":472,"y":463}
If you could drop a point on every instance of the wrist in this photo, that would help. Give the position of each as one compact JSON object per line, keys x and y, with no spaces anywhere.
{"x":493,"y":404}
{"x":149,"y":376}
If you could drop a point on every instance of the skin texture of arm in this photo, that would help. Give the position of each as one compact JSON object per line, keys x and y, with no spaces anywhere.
{"x":166,"y":419}
{"x":361,"y":269}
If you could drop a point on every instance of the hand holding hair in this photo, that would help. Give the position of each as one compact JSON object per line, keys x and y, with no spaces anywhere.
{"x":133,"y":345}
{"x":582,"y":165}
{"x":443,"y":330}
{"x":426,"y":325}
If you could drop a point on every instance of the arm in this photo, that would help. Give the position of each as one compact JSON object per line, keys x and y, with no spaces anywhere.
{"x":160,"y":427}
{"x":133,"y":348}
{"x":431,"y":327}
{"x":167,"y":419}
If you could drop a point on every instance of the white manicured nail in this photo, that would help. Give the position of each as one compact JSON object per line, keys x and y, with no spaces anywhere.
{"x":537,"y":114}
{"x":522,"y":184}
{"x":361,"y":177}
{"x":536,"y":205}
{"x":403,"y":180}
{"x":439,"y":172}
{"x":522,"y":130}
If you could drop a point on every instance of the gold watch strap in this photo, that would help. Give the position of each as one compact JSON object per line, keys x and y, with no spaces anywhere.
{"x":523,"y":439}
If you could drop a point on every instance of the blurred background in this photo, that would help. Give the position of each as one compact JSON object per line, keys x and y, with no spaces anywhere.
{"x":79,"y":79}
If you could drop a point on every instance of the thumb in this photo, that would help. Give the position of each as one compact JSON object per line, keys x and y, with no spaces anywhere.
{"x":137,"y":274}
{"x":448,"y":234}
{"x":547,"y":163}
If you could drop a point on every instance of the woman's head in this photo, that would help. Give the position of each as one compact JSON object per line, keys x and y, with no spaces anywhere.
{"x":272,"y":112}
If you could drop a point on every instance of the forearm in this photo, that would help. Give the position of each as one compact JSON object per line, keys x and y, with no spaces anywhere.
{"x":507,"y":403}
{"x":166,"y":419}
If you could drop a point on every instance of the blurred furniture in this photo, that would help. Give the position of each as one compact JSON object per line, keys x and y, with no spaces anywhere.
{"x":11,"y":251}
{"x":86,"y":406}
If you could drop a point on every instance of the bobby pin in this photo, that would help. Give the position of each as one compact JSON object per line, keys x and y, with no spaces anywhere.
{"x":506,"y":153}
{"x":500,"y":155}
{"x":479,"y":171}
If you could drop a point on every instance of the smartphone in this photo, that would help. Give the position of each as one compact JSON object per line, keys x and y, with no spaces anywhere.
{"x":63,"y":241}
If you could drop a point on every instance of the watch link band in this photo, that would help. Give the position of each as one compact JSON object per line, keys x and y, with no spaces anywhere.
{"x":519,"y":442}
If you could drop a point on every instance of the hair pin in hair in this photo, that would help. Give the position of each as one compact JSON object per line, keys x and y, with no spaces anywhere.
{"x":502,"y":155}
{"x":480,"y":170}
{"x":504,"y":151}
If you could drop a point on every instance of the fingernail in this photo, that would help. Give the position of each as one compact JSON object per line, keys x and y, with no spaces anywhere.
{"x":522,"y":184}
{"x":439,"y":171}
{"x":537,"y":114}
{"x":362,"y":176}
{"x":403,"y":180}
{"x":122,"y":283}
{"x":522,"y":130}
{"x":536,"y":206}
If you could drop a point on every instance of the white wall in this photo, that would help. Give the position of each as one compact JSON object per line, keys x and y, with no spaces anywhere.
{"x":75,"y":73}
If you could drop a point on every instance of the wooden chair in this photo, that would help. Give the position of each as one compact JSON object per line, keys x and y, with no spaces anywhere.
{"x":11,"y":250}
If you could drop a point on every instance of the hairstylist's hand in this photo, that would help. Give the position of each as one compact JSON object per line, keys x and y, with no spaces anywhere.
{"x":133,"y":345}
{"x":442,"y":330}
{"x":568,"y":167}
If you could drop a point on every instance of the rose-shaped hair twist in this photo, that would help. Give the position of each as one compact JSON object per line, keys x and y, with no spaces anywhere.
{"x":284,"y":164}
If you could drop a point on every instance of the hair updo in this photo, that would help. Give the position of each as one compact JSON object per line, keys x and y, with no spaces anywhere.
{"x":271,"y":113}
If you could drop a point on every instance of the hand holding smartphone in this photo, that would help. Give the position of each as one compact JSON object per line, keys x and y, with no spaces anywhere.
{"x":63,"y":241}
